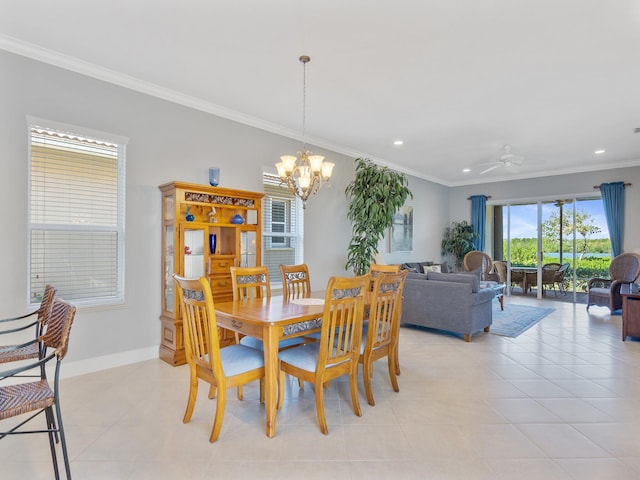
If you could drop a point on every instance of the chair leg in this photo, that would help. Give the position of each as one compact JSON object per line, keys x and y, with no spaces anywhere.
{"x":240,"y":392}
{"x":52,"y":443}
{"x":63,"y":441}
{"x":280,"y":391}
{"x":217,"y":421}
{"x":392,"y":374}
{"x":193,"y":394}
{"x":322,"y":421}
{"x":353,"y":384}
{"x":367,"y":373}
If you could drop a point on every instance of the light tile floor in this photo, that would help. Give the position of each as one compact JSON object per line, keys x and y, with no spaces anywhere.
{"x":562,"y":401}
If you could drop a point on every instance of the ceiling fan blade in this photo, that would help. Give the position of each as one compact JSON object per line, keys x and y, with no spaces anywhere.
{"x":489,"y":169}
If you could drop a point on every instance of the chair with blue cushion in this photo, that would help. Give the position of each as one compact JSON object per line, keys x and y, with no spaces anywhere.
{"x":222,"y":368}
{"x":380,"y":339}
{"x":296,"y":282}
{"x":337,"y":352}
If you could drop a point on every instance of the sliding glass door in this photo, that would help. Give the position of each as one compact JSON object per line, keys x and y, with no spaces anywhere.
{"x":570,"y":233}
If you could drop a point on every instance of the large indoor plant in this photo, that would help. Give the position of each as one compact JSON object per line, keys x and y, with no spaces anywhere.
{"x":457,"y":241}
{"x":375,"y":195}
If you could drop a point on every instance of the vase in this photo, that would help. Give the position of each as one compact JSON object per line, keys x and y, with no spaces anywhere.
{"x":237,"y":219}
{"x":214,"y":176}
{"x":212,"y":243}
{"x":189,"y":217}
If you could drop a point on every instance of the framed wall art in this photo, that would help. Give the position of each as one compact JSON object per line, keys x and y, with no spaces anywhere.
{"x":401,"y":233}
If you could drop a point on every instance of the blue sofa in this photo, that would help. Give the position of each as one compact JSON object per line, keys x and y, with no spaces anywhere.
{"x":453,"y":302}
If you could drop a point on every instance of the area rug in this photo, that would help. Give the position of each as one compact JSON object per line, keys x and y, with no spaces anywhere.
{"x":516,"y":319}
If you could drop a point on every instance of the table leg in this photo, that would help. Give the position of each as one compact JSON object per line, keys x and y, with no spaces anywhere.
{"x":271,"y":372}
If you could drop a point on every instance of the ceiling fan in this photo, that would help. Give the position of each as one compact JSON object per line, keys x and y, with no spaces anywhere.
{"x":510,"y":161}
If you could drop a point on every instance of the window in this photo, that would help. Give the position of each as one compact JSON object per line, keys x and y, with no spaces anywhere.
{"x":282,"y":229}
{"x":76,"y":213}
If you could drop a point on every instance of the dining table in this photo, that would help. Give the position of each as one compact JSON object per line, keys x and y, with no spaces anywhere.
{"x":526,"y":273}
{"x":271,"y":320}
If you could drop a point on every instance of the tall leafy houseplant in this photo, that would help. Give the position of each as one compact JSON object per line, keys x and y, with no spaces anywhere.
{"x":457,"y":241}
{"x":375,"y":195}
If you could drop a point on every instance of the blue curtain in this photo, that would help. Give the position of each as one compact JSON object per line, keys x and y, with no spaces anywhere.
{"x":613,"y":200}
{"x":478,"y":219}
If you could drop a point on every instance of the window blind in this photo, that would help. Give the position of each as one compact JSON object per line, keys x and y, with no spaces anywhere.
{"x":282,"y":228}
{"x":76,"y":216}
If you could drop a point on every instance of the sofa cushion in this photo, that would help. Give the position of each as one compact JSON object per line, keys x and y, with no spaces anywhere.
{"x":422,"y":267}
{"x":413,"y":267}
{"x":457,"y":278}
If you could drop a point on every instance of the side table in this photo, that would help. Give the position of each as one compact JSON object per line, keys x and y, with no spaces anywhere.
{"x":630,"y":313}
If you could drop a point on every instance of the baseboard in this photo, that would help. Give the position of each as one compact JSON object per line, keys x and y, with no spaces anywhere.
{"x":90,"y":365}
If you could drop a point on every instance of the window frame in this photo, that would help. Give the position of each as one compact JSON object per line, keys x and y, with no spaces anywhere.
{"x":294,"y":224}
{"x":118,"y":228}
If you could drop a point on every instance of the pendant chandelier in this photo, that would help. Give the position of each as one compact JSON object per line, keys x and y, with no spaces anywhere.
{"x":306,"y":173}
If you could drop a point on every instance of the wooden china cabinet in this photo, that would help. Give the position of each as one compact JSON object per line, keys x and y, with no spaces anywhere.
{"x":205,"y":230}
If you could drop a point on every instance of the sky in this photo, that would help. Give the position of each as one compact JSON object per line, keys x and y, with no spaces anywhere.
{"x":524,"y":218}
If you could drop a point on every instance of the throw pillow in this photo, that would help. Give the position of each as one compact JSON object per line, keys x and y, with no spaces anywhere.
{"x":432,"y":268}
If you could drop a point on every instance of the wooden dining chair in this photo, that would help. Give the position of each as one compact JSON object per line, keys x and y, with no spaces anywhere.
{"x":380,"y":338}
{"x":376,"y":268}
{"x":31,"y":348}
{"x":222,"y":368}
{"x":296,"y":282}
{"x":25,"y":401}
{"x":337,"y":352}
{"x":250,"y":282}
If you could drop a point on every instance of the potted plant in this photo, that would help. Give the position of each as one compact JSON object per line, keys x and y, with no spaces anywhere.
{"x":458,"y":241}
{"x":375,"y":195}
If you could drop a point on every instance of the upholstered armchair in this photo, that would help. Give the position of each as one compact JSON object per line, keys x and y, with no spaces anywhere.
{"x":605,"y":292}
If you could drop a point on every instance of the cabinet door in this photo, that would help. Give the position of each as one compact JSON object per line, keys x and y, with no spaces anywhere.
{"x":248,"y":248}
{"x":194,"y":252}
{"x":169,"y":287}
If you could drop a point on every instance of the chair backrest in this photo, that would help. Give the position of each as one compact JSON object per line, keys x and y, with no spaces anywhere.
{"x":501,"y":269}
{"x":549,"y":271}
{"x":559,"y":277}
{"x":56,"y":336}
{"x":45,"y":305}
{"x":376,"y":268}
{"x":295,"y":281}
{"x":385,"y":308}
{"x":625,"y":267}
{"x":250,"y":282}
{"x":478,"y":260}
{"x":341,"y":334}
{"x":201,"y":342}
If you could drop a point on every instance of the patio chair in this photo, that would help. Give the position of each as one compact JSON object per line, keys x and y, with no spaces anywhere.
{"x":480,"y":261}
{"x":605,"y":292}
{"x":558,"y":279}
{"x":549,"y":271}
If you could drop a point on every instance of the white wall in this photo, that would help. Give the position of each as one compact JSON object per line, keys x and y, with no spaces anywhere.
{"x":561,"y":186}
{"x":166,"y":142}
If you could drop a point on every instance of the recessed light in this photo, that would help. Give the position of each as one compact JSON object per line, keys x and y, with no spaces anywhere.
{"x":599,"y":152}
{"x":466,"y":170}
{"x":398,"y":142}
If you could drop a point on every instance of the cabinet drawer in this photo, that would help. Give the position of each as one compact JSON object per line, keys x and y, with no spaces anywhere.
{"x":220,"y":284}
{"x":219,"y":264}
